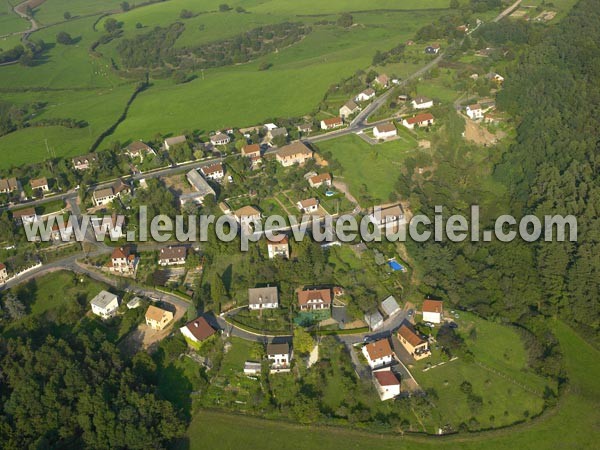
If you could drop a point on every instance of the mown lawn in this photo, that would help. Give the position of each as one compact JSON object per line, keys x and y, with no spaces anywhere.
{"x":573,"y":425}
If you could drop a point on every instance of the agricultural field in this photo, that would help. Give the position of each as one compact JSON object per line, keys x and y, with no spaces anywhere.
{"x":78,"y":85}
{"x":10,"y":22}
{"x":372,"y":177}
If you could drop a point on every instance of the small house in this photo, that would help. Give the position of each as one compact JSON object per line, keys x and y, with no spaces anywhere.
{"x":220,"y":139}
{"x":263,"y":298}
{"x":173,"y":141}
{"x":40,"y":183}
{"x":105,"y":304}
{"x":308,"y":206}
{"x":197,"y":331}
{"x":421,"y":103}
{"x":365,"y":95}
{"x":280,"y":355}
{"x":349,"y":108}
{"x":172,"y":255}
{"x":331,"y":123}
{"x":214,"y":172}
{"x":474,"y":112}
{"x":294,"y":153}
{"x":385,"y":131}
{"x":420,"y":120}
{"x":158,"y":318}
{"x":314,"y":299}
{"x":414,"y":344}
{"x":280,"y":248}
{"x":317,"y":181}
{"x":387,"y":384}
{"x":433,"y":311}
{"x":378,"y":353}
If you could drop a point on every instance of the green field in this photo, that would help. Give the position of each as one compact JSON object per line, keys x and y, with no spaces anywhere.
{"x":10,"y":22}
{"x":51,"y":11}
{"x":573,"y":424}
{"x":379,"y":165}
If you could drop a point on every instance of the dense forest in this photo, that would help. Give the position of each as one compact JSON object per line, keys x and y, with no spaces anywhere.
{"x":552,"y":167}
{"x":157,"y":47}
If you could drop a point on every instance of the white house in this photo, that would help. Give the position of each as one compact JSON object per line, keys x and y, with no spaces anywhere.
{"x":421,"y":103}
{"x":382,"y":80}
{"x":390,"y":306}
{"x":387,"y":384}
{"x":84,"y":162}
{"x":263,"y":298}
{"x":279,"y":248}
{"x":385,"y":131}
{"x":40,"y":183}
{"x":220,"y":139}
{"x":314,"y":299}
{"x":378,"y":353}
{"x":348,"y":109}
{"x":331,"y":123}
{"x":374,"y":320}
{"x":317,"y":181}
{"x":252,"y":368}
{"x":172,"y":256}
{"x":214,"y":172}
{"x":365,"y":95}
{"x":105,"y":304}
{"x":432,"y":49}
{"x":474,"y":111}
{"x":280,"y":355}
{"x":433,"y":311}
{"x":104,"y":196}
{"x":26,"y":215}
{"x":3,"y":274}
{"x":420,"y":120}
{"x":123,"y":261}
{"x":310,"y":205}
{"x":198,"y":330}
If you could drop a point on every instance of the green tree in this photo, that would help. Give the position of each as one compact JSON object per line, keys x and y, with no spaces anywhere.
{"x":345,"y":20}
{"x":64,"y":38}
{"x":67,"y":15}
{"x":303,"y":341}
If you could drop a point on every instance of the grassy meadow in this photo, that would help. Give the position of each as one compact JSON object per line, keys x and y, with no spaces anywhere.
{"x":10,"y":22}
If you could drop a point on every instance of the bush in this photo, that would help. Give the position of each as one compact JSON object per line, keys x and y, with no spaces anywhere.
{"x":64,"y":38}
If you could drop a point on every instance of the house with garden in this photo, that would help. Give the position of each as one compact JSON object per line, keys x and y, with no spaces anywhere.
{"x":105,"y":304}
{"x":413,"y":343}
{"x":378,"y":353}
{"x":197,"y":331}
{"x":158,"y":318}
{"x":387,"y":383}
{"x":263,"y":298}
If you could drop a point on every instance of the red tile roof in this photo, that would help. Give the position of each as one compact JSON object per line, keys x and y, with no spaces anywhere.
{"x":434,"y":306}
{"x":314,"y":294}
{"x":407,"y":333}
{"x":419,"y":118}
{"x":379,"y":349}
{"x":200,"y":328}
{"x":386,"y":378}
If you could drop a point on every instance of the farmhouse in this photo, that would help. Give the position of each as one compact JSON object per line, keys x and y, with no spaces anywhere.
{"x":420,"y":120}
{"x":421,"y":103}
{"x":433,"y":311}
{"x":8,"y":185}
{"x":247,"y":215}
{"x":280,"y":355}
{"x":26,"y":215}
{"x":474,"y":111}
{"x":365,"y":95}
{"x":414,"y":344}
{"x":320,"y":180}
{"x":348,"y":109}
{"x":40,"y":183}
{"x":278,"y":248}
{"x":83,"y":162}
{"x":220,"y":139}
{"x":102,"y":197}
{"x":390,"y":306}
{"x":105,"y":304}
{"x":331,"y":123}
{"x":382,"y":80}
{"x":214,"y":172}
{"x":385,"y":131}
{"x":172,"y":256}
{"x":198,"y":330}
{"x":432,"y":49}
{"x":122,"y":260}
{"x":294,"y":153}
{"x":139,"y":149}
{"x":374,"y":320}
{"x":263,"y":298}
{"x":158,"y":318}
{"x":310,"y":205}
{"x":381,"y":216}
{"x":175,"y":140}
{"x":378,"y":353}
{"x":387,"y":384}
{"x":314,"y":299}
{"x":201,"y":187}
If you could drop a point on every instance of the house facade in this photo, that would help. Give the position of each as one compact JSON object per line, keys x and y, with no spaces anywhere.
{"x":383,"y":215}
{"x":474,"y":111}
{"x":365,"y":95}
{"x":378,"y":353}
{"x":169,"y":143}
{"x":414,"y":344}
{"x":294,"y":153}
{"x":122,"y":261}
{"x":330,"y":124}
{"x":385,"y":131}
{"x":158,"y":318}
{"x":8,"y":185}
{"x":433,"y":311}
{"x":198,"y":330}
{"x":104,"y":196}
{"x":40,"y":183}
{"x":3,"y":273}
{"x":214,"y":172}
{"x":280,"y":355}
{"x":139,"y":149}
{"x":382,"y":81}
{"x":26,"y":215}
{"x":420,"y":120}
{"x":172,"y":255}
{"x":105,"y":304}
{"x":421,"y":103}
{"x":314,"y":299}
{"x":220,"y":139}
{"x":247,"y":215}
{"x":349,"y":108}
{"x":263,"y":298}
{"x":279,"y":248}
{"x":308,"y":206}
{"x":317,"y":181}
{"x":387,"y":384}
{"x":84,"y":162}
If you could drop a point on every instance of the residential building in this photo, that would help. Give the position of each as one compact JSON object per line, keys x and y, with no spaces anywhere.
{"x":382,"y":81}
{"x":498,"y":79}
{"x":420,"y":120}
{"x":365,"y":95}
{"x":25,"y":215}
{"x":263,"y":298}
{"x":175,"y":140}
{"x":280,"y":355}
{"x":122,"y":260}
{"x":139,"y":149}
{"x":104,"y":196}
{"x":220,"y":139}
{"x":294,"y":153}
{"x":40,"y":183}
{"x":214,"y":172}
{"x":378,"y":353}
{"x":201,"y":187}
{"x":8,"y":185}
{"x":276,"y":132}
{"x":270,"y":126}
{"x":387,"y":384}
{"x":252,"y":368}
{"x":385,"y":131}
{"x":421,"y":103}
{"x":432,"y":49}
{"x":308,"y":206}
{"x":305,"y":128}
{"x":158,"y":318}
{"x":3,"y":273}
{"x":251,"y":151}
{"x":349,"y":108}
{"x":414,"y":344}
{"x":433,"y":311}
{"x":314,"y":299}
{"x":279,"y":248}
{"x":247,"y":215}
{"x":474,"y":111}
{"x":382,"y":215}
{"x":172,"y":256}
{"x":331,"y":123}
{"x":105,"y":304}
{"x":374,"y":320}
{"x":85,"y":161}
{"x":319,"y":180}
{"x":198,"y":330}
{"x":390,"y":306}
{"x":134,"y":303}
